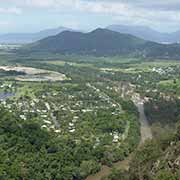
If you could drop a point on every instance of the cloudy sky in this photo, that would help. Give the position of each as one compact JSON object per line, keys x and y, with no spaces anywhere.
{"x":35,"y":15}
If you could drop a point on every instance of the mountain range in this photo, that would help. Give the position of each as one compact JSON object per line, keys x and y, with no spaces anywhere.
{"x":147,"y":33}
{"x":24,"y":38}
{"x":103,"y":42}
{"x":138,"y":31}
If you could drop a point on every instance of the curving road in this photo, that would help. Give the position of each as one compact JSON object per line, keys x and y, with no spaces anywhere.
{"x":145,"y":135}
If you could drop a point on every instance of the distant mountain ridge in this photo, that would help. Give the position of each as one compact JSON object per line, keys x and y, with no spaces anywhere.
{"x":142,"y":32}
{"x":24,"y":38}
{"x":98,"y":42}
{"x":103,"y":42}
{"x":147,"y":33}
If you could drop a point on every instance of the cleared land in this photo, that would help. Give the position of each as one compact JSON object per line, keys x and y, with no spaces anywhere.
{"x":34,"y":74}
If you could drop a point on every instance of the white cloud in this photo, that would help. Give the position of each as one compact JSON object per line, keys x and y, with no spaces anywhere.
{"x":141,"y":12}
{"x":6,"y":25}
{"x":13,"y":10}
{"x":72,"y":24}
{"x":40,"y":3}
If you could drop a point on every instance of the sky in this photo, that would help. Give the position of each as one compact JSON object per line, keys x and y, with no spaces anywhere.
{"x":36,"y":15}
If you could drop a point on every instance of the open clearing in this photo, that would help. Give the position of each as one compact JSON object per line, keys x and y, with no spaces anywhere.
{"x":34,"y":74}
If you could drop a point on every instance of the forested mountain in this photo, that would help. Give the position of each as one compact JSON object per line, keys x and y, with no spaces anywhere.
{"x":103,"y":42}
{"x":30,"y":37}
{"x":147,"y":33}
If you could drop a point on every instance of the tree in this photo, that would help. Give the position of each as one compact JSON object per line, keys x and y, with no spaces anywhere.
{"x":165,"y":175}
{"x":89,"y":167}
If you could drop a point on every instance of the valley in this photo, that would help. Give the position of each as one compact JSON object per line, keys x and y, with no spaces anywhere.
{"x":92,"y":108}
{"x":89,"y":90}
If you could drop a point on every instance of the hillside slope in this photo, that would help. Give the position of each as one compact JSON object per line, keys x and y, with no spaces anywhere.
{"x":103,"y":42}
{"x":98,"y":42}
{"x":155,"y":160}
{"x":158,"y":160}
{"x":147,"y":33}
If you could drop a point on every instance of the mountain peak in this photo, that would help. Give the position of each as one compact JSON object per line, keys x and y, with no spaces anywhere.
{"x":146,"y":33}
{"x":101,"y":30}
{"x":100,"y":42}
{"x":31,"y":37}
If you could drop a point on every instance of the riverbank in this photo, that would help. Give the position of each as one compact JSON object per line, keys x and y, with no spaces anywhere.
{"x":145,"y":135}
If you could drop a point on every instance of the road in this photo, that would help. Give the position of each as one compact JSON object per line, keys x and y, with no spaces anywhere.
{"x":145,"y":135}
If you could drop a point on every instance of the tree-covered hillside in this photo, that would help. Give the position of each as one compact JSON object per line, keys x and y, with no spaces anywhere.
{"x":155,"y":160}
{"x":102,"y":42}
{"x":98,"y":42}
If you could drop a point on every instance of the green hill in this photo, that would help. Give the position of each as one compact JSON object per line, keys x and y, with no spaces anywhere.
{"x":103,"y":42}
{"x":100,"y":42}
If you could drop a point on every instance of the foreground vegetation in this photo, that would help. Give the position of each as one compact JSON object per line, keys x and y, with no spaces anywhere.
{"x":155,"y":160}
{"x":64,"y":130}
{"x":69,"y":129}
{"x":52,"y":136}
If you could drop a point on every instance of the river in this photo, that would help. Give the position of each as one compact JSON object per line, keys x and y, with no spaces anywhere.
{"x":145,"y":135}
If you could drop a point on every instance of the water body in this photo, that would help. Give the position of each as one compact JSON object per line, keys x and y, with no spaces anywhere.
{"x":5,"y":95}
